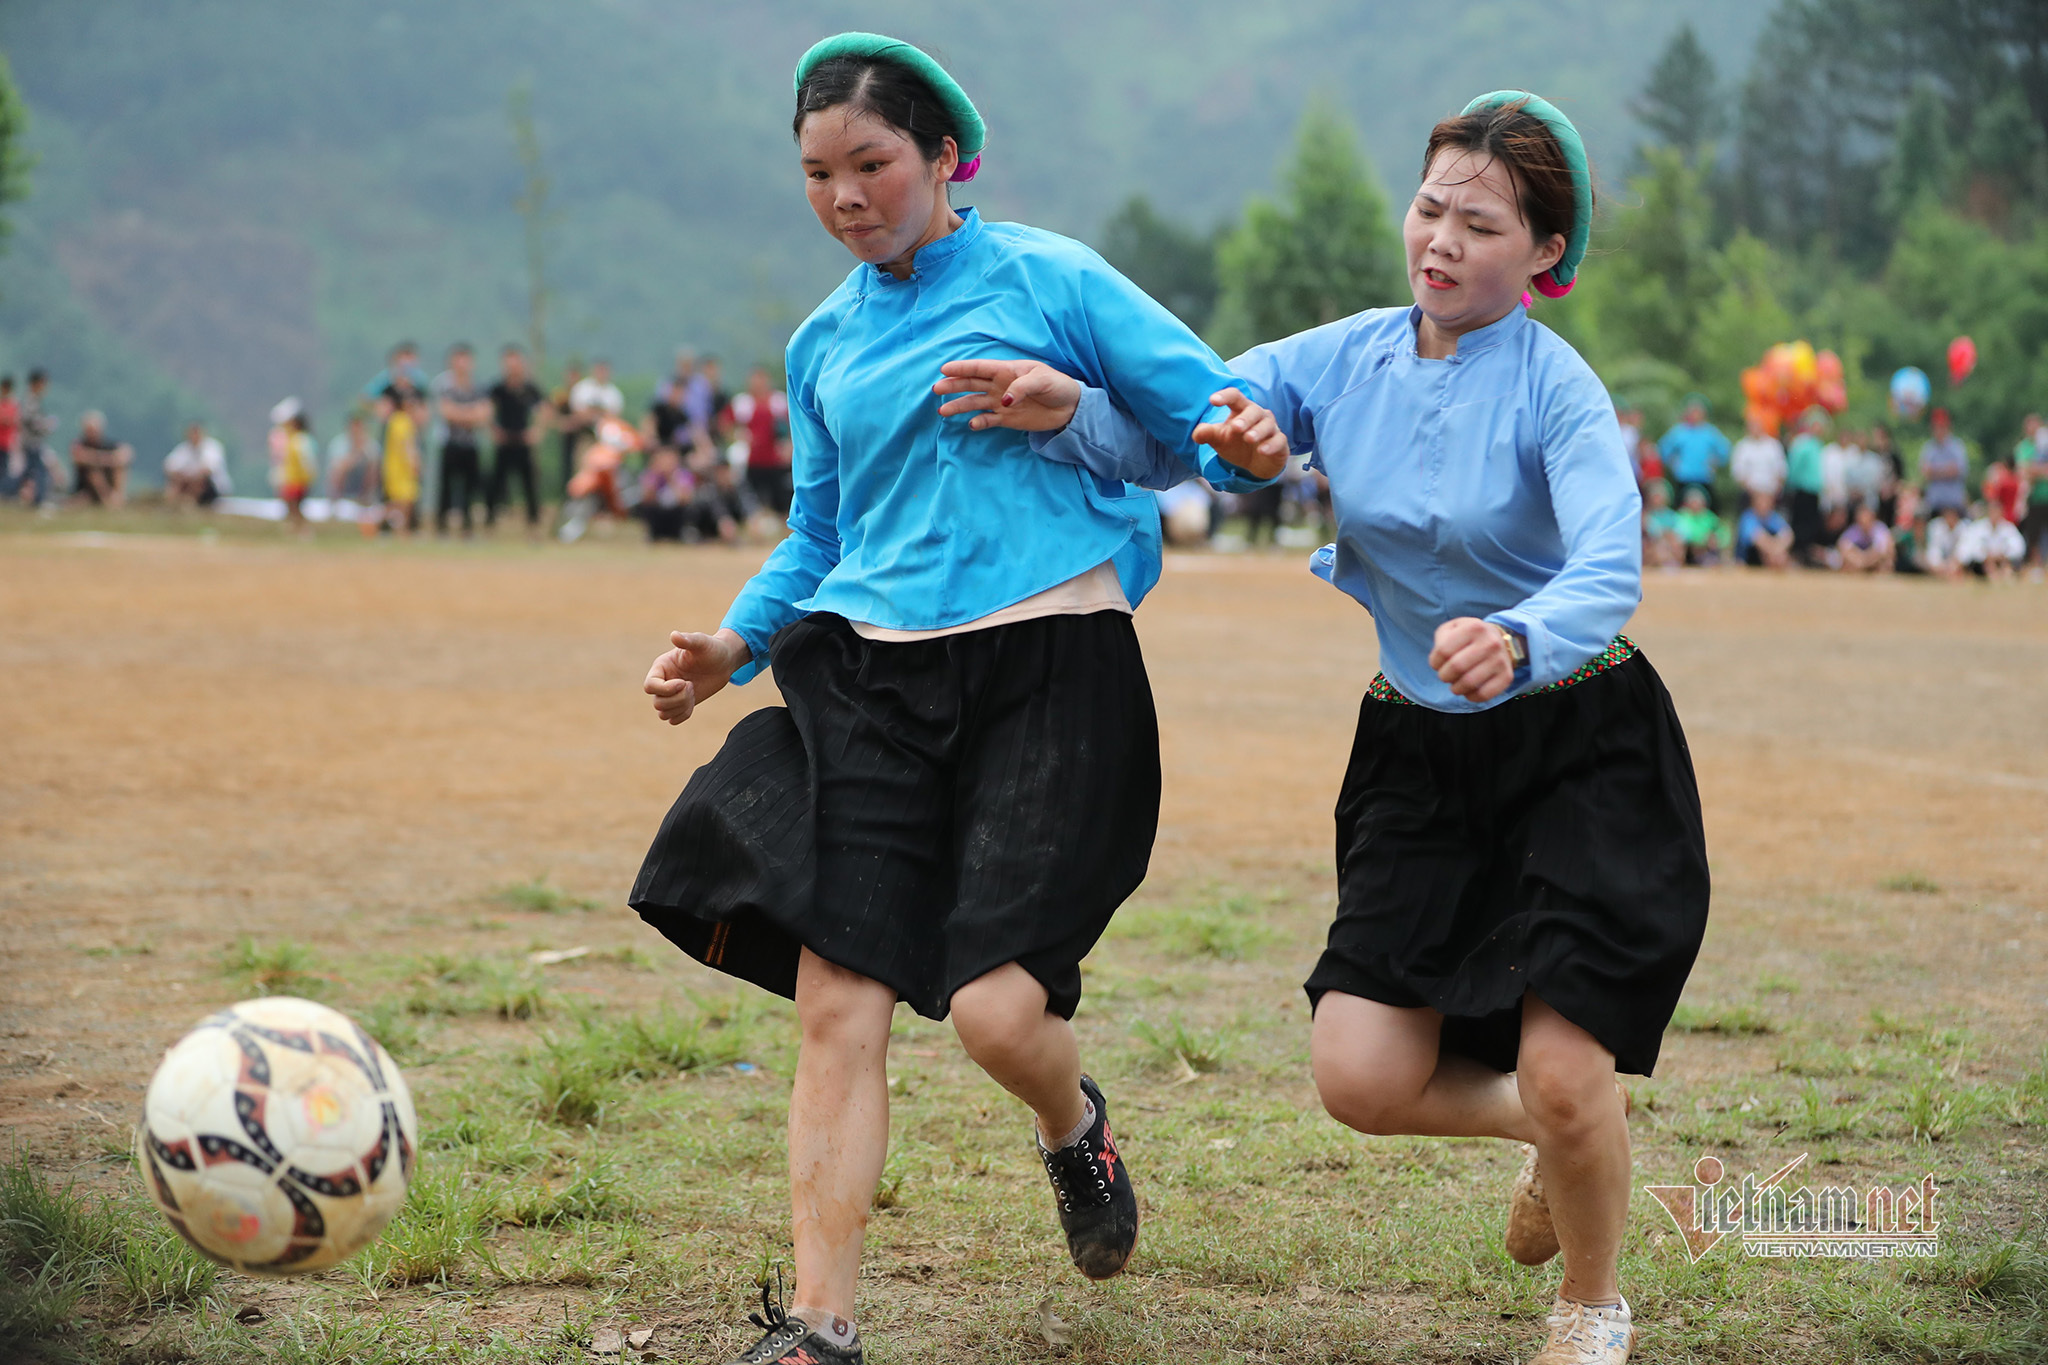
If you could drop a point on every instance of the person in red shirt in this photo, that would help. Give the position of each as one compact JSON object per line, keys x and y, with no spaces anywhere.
{"x":764,"y":411}
{"x":2002,"y":486}
{"x":10,"y":434}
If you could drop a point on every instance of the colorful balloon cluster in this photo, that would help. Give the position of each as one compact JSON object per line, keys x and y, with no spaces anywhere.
{"x":1792,"y":378}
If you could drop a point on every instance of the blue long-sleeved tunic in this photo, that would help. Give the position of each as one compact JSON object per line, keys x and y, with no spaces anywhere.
{"x":1490,"y":484}
{"x":911,"y":521}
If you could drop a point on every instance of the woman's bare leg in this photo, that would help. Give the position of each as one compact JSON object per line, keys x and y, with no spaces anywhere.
{"x":1004,"y":1025}
{"x":1378,"y":1069}
{"x":838,"y":1127}
{"x":1566,"y":1080}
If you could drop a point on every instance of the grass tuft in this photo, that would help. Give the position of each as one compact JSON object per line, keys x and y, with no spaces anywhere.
{"x":1179,"y":1047}
{"x":283,"y":968}
{"x":1913,"y":883}
{"x":1732,"y":1020}
{"x":539,"y":896}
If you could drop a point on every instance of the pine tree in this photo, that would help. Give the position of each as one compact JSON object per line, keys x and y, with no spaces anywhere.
{"x":1681,"y":104}
{"x":1921,"y":162}
{"x":1329,"y":250}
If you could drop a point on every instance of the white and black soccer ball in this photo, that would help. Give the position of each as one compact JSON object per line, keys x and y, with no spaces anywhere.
{"x":277,"y":1137}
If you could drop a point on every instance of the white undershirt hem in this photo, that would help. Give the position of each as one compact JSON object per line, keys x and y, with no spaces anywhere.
{"x":1099,"y":589}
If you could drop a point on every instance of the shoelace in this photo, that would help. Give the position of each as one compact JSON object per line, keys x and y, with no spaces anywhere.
{"x":782,"y":1330}
{"x":1056,"y":1168}
{"x":1583,"y":1326}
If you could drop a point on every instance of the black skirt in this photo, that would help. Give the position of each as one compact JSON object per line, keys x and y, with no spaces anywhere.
{"x":1551,"y":844}
{"x":921,"y":812}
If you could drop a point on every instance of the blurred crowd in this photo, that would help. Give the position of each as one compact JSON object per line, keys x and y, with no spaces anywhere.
{"x":1839,"y":498}
{"x":451,"y":451}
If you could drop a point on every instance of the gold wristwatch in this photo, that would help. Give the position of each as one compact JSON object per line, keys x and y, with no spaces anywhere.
{"x":1518,"y":648}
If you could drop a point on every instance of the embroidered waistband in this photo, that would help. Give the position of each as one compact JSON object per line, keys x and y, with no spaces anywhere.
{"x":1619,"y":651}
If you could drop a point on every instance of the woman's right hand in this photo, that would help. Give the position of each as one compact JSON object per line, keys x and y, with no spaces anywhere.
{"x":692,"y":671}
{"x":1023,"y":395}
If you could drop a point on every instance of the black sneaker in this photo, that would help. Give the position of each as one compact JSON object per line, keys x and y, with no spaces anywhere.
{"x":790,"y":1341}
{"x":1098,"y":1208}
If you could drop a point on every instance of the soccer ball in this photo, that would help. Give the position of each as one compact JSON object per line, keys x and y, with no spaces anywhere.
{"x":277,"y":1137}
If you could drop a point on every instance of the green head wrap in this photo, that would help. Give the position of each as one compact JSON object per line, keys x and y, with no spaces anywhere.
{"x":973,"y":135}
{"x":1556,"y":282}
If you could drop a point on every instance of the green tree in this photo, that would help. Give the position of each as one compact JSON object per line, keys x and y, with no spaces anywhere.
{"x":1681,"y":104}
{"x":14,"y":154}
{"x":1665,"y":270}
{"x":1173,"y":263}
{"x":1920,"y":163}
{"x":1327,"y":250}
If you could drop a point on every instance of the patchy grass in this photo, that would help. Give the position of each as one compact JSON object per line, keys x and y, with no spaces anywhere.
{"x":283,"y":968}
{"x":1913,"y":883}
{"x":541,"y":897}
{"x":1729,"y":1019}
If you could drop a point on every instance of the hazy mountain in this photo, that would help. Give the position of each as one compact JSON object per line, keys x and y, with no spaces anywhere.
{"x":238,"y":199}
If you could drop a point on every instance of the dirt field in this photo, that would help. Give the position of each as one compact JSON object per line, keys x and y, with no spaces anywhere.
{"x":356,"y":748}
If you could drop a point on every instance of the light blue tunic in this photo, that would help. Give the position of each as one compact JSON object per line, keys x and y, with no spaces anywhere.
{"x":1491,"y":484}
{"x":911,"y":521}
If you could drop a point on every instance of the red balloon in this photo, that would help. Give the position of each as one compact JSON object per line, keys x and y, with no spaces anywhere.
{"x":1962,"y":359}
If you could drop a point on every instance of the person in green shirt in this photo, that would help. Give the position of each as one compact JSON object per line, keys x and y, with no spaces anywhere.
{"x":2030,"y":462}
{"x":1700,"y":529}
{"x":1803,"y":485}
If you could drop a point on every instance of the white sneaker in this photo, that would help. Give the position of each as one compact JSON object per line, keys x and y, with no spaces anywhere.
{"x":1587,"y":1334}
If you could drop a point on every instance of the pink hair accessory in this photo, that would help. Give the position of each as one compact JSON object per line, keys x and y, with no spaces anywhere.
{"x":1526,"y":300}
{"x":1550,"y":288}
{"x":966,"y":169}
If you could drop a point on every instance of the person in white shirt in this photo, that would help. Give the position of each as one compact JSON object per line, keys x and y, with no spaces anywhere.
{"x":1758,"y":461}
{"x":196,"y":470}
{"x":595,"y":397}
{"x":1836,"y":457}
{"x":1989,"y":545}
{"x":1944,"y":534}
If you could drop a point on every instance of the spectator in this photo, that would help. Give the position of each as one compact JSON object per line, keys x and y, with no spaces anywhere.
{"x":2030,"y":459}
{"x":401,"y":364}
{"x":763,"y":411}
{"x":101,"y":463}
{"x":1662,"y":548}
{"x":12,"y":465}
{"x":38,"y":476}
{"x":570,"y":431}
{"x":1866,"y":474}
{"x":707,"y":403}
{"x":1908,"y":556}
{"x":669,"y":412}
{"x":1700,"y":530}
{"x":591,"y":400}
{"x":1891,"y":478}
{"x":294,"y":462}
{"x":1943,"y":555}
{"x":1763,"y":538}
{"x":1989,"y":545}
{"x":196,"y":470}
{"x":1836,"y":458}
{"x":1803,"y":480}
{"x":352,"y":464}
{"x":1866,"y":543}
{"x":2002,"y":486}
{"x":1693,"y":450}
{"x":665,"y":492}
{"x":517,"y":410}
{"x":718,"y":508}
{"x":1649,"y":464}
{"x":464,"y":410}
{"x":404,"y":413}
{"x":1631,"y":423}
{"x":1944,"y":465}
{"x":1758,"y":462}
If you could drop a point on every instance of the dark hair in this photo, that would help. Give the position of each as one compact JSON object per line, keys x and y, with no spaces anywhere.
{"x":38,"y":376}
{"x":6,"y":381}
{"x":511,"y":348}
{"x":1520,"y":141}
{"x":460,"y":348}
{"x":890,"y":91}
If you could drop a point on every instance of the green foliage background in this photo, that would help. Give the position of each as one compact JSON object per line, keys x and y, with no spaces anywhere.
{"x":238,"y":199}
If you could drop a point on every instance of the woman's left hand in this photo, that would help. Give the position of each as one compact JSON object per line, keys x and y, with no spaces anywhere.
{"x":1472,"y":657}
{"x":1249,"y":438}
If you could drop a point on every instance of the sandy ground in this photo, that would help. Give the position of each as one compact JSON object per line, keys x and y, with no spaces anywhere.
{"x":350,"y":745}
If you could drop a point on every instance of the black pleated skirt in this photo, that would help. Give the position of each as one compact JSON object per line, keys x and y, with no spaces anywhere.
{"x":920,"y":812}
{"x":1551,"y":844}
